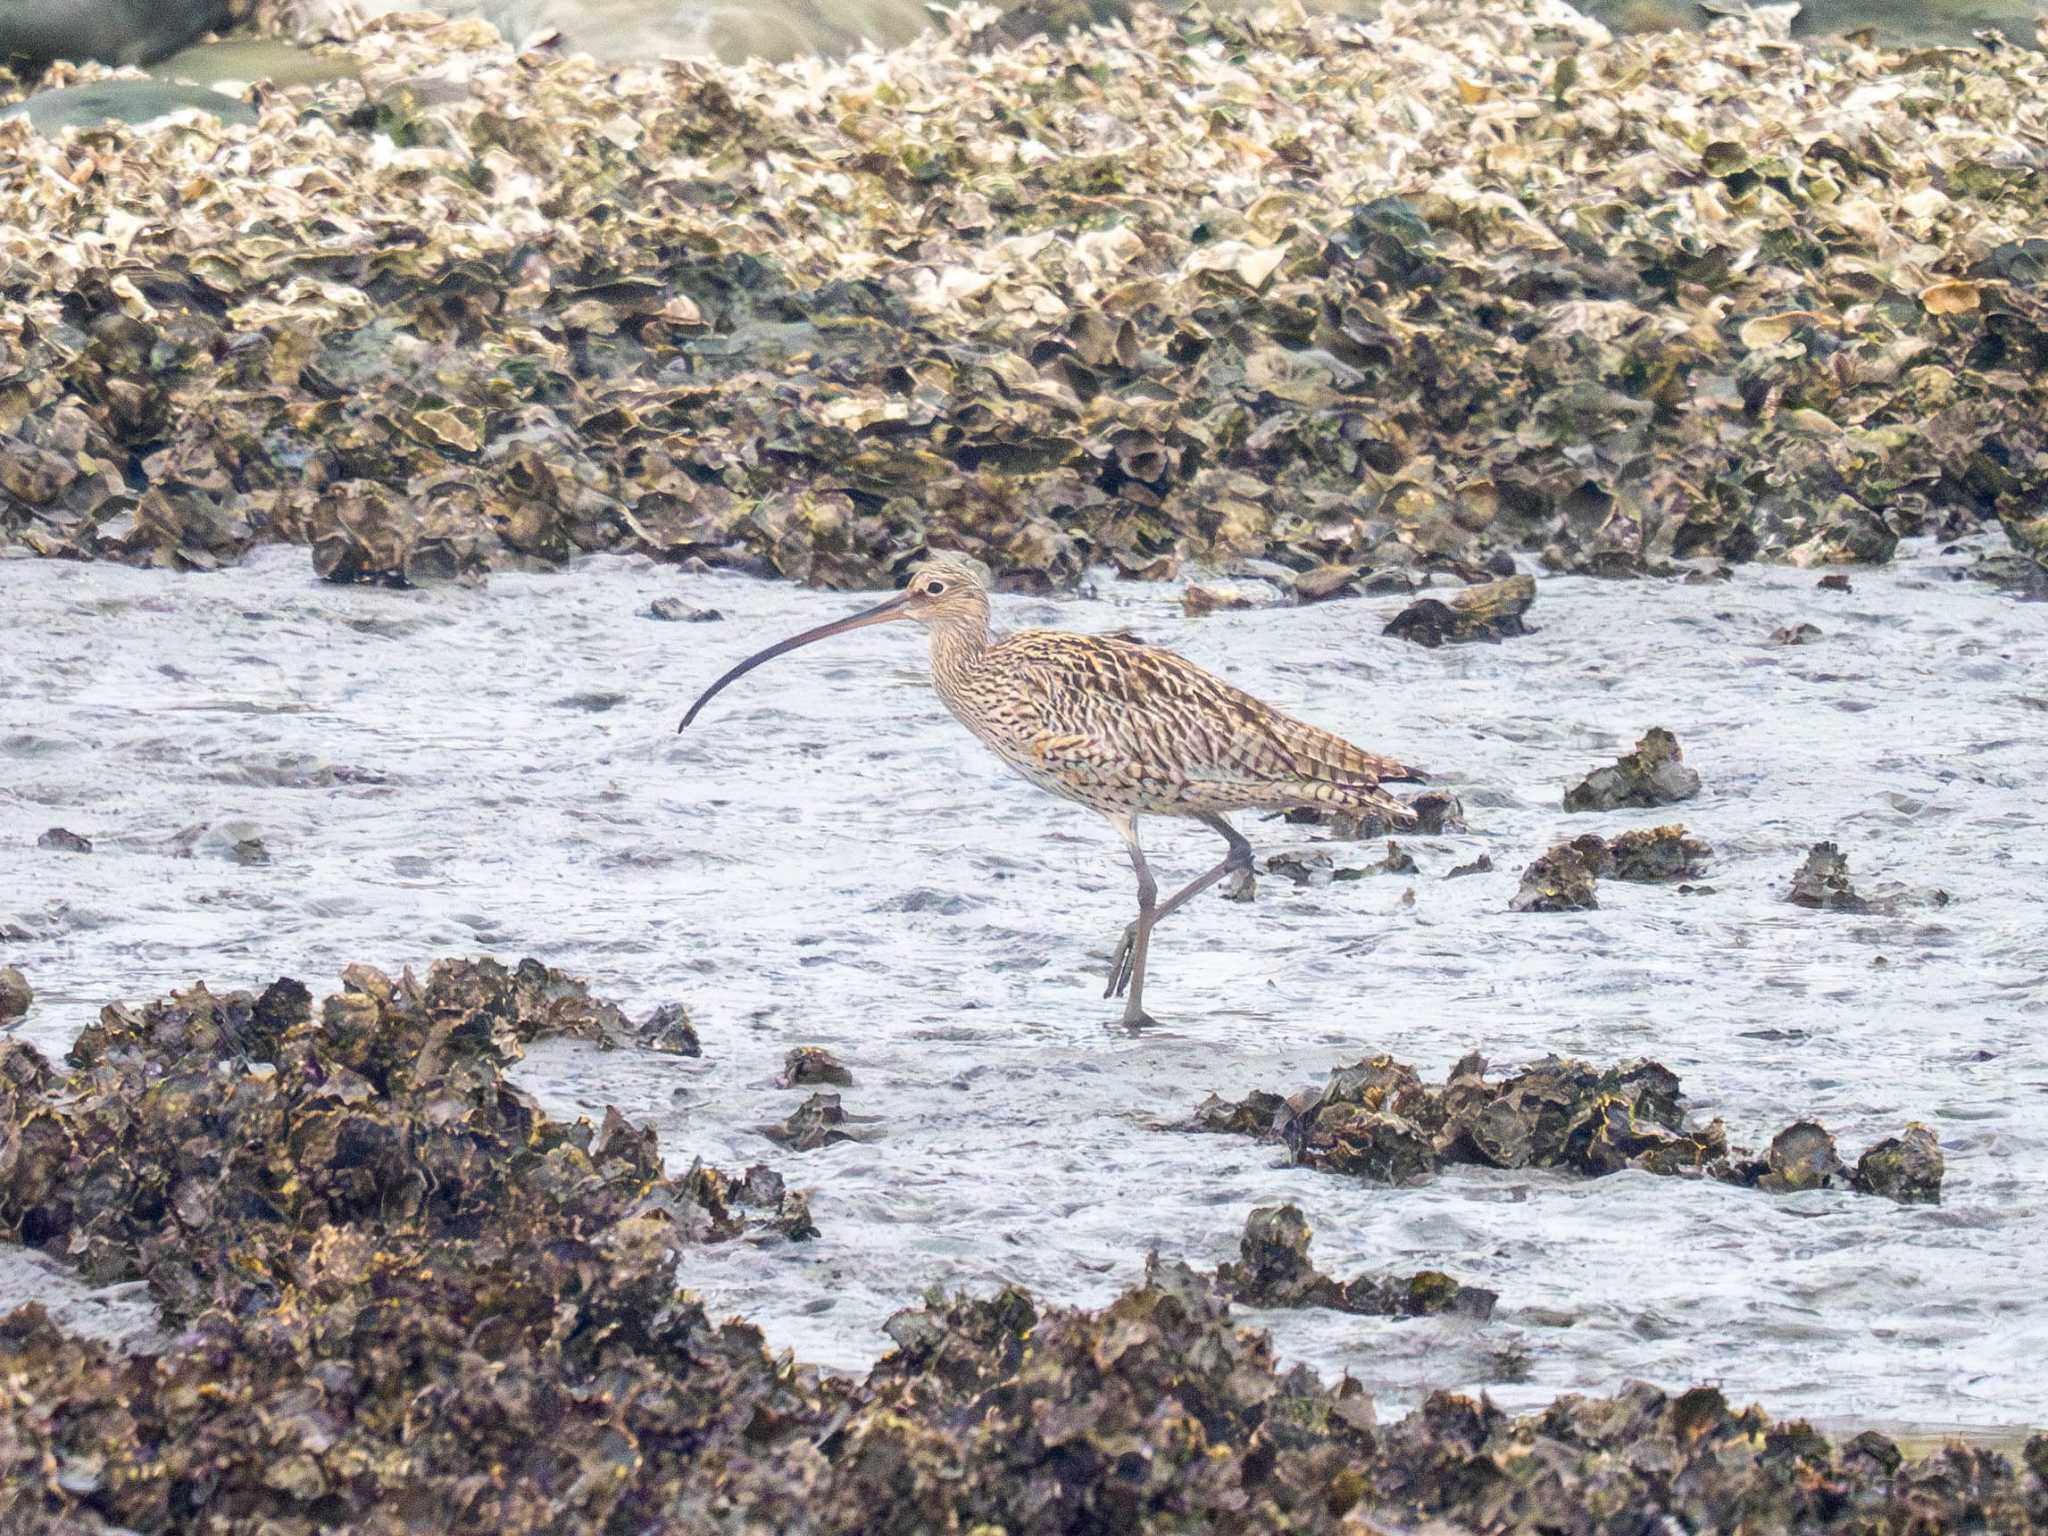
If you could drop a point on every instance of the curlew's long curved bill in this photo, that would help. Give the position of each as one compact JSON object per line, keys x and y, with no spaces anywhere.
{"x":881,"y":613}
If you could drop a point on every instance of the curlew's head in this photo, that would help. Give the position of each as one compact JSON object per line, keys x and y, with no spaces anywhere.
{"x":943,"y":592}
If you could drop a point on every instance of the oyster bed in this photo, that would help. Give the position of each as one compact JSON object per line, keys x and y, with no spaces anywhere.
{"x":1316,"y":307}
{"x":409,"y":1298}
{"x":1392,"y":296}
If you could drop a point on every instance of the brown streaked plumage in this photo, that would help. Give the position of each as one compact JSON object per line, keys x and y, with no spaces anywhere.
{"x":1127,"y":730}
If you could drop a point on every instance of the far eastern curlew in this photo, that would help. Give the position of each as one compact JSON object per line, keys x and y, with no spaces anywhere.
{"x":1127,"y":730}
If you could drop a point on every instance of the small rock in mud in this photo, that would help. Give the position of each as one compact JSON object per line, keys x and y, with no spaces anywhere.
{"x":1328,"y":581}
{"x":1199,"y":602}
{"x":1823,"y":882}
{"x":1479,"y":866}
{"x":813,"y":1064}
{"x":668,"y":1029}
{"x":15,"y":994}
{"x":1489,"y":612}
{"x":674,"y":610}
{"x":1654,"y":855}
{"x":1342,"y":827}
{"x":789,"y":1212}
{"x":1802,"y":1156}
{"x":1303,"y":866}
{"x":1251,"y":1116}
{"x":1274,"y":1270}
{"x":1378,"y":1121}
{"x":1796,"y":634}
{"x":63,"y":840}
{"x":818,"y":1122}
{"x":1907,"y":1168}
{"x":1437,"y":812}
{"x":1398,"y":861}
{"x":249,"y":850}
{"x":595,"y":702}
{"x":1654,"y":774}
{"x":1562,"y":880}
{"x":1835,"y":583}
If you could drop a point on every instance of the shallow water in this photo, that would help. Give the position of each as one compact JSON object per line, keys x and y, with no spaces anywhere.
{"x":827,"y":858}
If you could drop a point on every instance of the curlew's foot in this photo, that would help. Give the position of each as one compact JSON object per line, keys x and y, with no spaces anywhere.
{"x":1133,"y":1023}
{"x":1121,"y":960}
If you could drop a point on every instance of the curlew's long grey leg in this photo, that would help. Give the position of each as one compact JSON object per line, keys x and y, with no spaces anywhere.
{"x":1127,"y":965}
{"x":1239,"y":857}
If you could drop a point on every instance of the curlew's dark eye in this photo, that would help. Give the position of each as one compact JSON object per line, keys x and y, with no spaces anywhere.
{"x":935,"y":587}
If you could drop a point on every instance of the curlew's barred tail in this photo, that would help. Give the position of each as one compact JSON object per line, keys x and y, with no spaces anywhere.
{"x":1354,"y":799}
{"x":1322,"y":757}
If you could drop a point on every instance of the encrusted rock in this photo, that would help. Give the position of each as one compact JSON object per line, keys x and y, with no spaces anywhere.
{"x":1823,"y":882}
{"x":1907,"y":1168}
{"x":1251,"y":1116}
{"x":1489,"y":612}
{"x":1654,"y":774}
{"x":819,"y":1122}
{"x":1274,"y":1270}
{"x":668,"y":1029}
{"x":1377,"y":1120}
{"x":814,"y":1064}
{"x":1562,"y":880}
{"x":1802,"y":1156}
{"x":15,"y":994}
{"x":1655,"y":855}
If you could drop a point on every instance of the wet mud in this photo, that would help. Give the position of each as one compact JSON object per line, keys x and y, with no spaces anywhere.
{"x":494,"y":771}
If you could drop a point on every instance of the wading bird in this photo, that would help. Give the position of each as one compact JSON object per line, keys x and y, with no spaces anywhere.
{"x":1127,"y":730}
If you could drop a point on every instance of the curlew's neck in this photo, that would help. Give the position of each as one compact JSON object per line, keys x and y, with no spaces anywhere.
{"x":956,"y":645}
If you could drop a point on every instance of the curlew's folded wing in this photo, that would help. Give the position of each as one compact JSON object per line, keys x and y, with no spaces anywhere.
{"x":1102,"y":705}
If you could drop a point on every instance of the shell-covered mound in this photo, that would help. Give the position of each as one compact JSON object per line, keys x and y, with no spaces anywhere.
{"x":577,"y":1397}
{"x":407,"y":1300}
{"x":1418,"y":292}
{"x":169,"y":1155}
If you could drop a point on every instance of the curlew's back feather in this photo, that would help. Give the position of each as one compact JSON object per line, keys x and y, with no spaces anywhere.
{"x":1131,"y":730}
